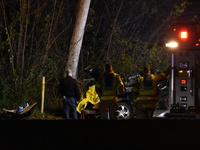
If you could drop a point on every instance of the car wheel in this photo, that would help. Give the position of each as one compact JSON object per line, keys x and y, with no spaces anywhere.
{"x":124,"y":111}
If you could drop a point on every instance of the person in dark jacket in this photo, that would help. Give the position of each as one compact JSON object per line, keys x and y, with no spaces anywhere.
{"x":70,"y":92}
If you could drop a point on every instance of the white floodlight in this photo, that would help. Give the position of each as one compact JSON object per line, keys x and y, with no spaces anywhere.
{"x":172,"y":44}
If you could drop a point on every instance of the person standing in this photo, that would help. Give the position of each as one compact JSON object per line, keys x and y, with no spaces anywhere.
{"x":109,"y":85}
{"x":146,"y":93}
{"x":70,"y":92}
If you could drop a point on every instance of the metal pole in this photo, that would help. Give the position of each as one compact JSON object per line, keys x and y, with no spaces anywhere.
{"x":172,"y":81}
{"x":43,"y":92}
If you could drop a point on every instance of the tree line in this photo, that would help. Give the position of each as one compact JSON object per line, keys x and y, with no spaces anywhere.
{"x":35,"y":37}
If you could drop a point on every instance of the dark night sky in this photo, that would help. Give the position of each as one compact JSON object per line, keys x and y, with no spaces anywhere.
{"x":191,"y":11}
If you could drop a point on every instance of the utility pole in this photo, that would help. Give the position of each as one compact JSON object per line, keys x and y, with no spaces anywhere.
{"x":77,"y":37}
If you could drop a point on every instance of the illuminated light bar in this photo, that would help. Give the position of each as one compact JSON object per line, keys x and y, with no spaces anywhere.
{"x":184,"y":35}
{"x":183,"y":81}
{"x":172,"y":44}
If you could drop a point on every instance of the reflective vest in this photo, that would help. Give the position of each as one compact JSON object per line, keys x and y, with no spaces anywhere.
{"x":148,"y":91}
{"x":110,"y":86}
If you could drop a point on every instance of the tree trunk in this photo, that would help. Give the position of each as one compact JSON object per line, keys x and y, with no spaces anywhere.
{"x":77,"y":37}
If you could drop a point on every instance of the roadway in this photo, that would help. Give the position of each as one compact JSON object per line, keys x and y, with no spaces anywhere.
{"x":101,"y":134}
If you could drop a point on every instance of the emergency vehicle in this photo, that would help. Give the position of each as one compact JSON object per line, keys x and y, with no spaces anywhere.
{"x":184,"y":90}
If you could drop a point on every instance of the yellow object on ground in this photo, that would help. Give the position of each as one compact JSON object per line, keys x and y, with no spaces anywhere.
{"x":91,"y":96}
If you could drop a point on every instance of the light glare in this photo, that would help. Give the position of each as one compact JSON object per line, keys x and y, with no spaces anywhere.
{"x":172,"y":44}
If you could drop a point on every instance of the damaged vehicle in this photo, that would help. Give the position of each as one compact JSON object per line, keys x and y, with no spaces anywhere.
{"x":89,"y":104}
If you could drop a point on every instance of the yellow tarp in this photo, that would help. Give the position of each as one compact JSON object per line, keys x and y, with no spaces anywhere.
{"x":91,"y":96}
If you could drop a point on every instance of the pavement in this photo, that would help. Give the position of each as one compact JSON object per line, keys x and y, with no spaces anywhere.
{"x":101,"y":134}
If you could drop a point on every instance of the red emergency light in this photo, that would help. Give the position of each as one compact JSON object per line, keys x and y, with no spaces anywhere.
{"x":183,"y":81}
{"x":184,"y":35}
